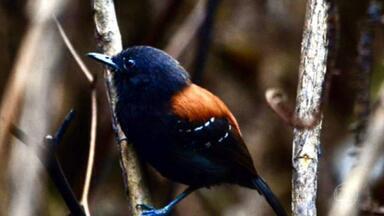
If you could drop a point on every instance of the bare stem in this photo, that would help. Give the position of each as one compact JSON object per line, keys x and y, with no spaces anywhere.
{"x":91,"y":154}
{"x":369,"y":135}
{"x":109,"y":40}
{"x":365,"y":62}
{"x":204,"y":40}
{"x":47,"y":156}
{"x":306,"y":143}
{"x":75,"y":55}
{"x":278,"y":102}
{"x":372,"y":148}
{"x":93,"y":130}
{"x":183,"y":36}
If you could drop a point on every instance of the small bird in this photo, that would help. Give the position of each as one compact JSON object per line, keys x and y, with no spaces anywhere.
{"x":181,"y":129}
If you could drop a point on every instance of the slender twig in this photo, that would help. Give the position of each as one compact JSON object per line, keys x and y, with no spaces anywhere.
{"x":76,"y":56}
{"x":47,"y":156}
{"x":184,"y":35}
{"x":109,"y":40}
{"x":365,"y":62}
{"x":367,"y":133}
{"x":204,"y":40}
{"x":346,"y":203}
{"x":64,"y":126}
{"x":91,"y":154}
{"x":333,"y":50}
{"x":306,"y":143}
{"x":92,"y":140}
{"x":278,"y":102}
{"x":163,"y":22}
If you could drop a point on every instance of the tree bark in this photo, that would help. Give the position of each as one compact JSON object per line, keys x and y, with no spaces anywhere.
{"x":306,"y":142}
{"x":109,"y":40}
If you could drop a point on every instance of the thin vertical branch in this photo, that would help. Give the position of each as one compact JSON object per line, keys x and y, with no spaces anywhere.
{"x":183,"y":36}
{"x":91,"y":154}
{"x":368,"y":134}
{"x":365,"y":62}
{"x":92,"y":139}
{"x":204,"y":40}
{"x":333,"y":50}
{"x":109,"y":40}
{"x":306,"y":143}
{"x":163,"y":21}
{"x":346,"y":203}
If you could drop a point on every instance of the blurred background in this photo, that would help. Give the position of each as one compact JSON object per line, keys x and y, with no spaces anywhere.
{"x":255,"y":46}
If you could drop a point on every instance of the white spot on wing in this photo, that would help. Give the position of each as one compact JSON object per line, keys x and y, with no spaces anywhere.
{"x":207,"y":124}
{"x":223,"y":137}
{"x":198,"y":128}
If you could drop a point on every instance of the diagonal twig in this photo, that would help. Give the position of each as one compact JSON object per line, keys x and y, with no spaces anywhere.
{"x":93,"y":130}
{"x":47,"y":156}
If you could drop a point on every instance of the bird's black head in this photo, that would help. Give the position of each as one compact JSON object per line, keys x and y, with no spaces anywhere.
{"x":144,"y":74}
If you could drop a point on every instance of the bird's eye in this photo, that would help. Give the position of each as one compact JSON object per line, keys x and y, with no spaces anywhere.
{"x":129,"y":64}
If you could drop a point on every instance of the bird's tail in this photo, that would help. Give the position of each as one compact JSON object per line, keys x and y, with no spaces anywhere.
{"x":264,"y":189}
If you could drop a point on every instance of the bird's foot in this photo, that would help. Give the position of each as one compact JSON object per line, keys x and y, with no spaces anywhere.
{"x":148,"y":210}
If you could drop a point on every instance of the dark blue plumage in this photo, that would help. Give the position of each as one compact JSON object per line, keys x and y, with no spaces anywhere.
{"x":181,"y":129}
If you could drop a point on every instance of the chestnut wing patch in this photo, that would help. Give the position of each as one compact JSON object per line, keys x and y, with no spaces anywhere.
{"x":197,"y":104}
{"x":206,"y":128}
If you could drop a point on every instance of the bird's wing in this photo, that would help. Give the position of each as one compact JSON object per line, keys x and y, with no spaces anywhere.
{"x":206,"y":126}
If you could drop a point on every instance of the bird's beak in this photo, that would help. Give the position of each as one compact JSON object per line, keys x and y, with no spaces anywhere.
{"x":107,"y":60}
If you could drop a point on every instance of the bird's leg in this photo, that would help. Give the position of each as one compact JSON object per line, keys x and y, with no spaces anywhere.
{"x":150,"y":211}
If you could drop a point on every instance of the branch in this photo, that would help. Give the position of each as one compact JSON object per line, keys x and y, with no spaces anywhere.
{"x":47,"y":156}
{"x":93,"y":130}
{"x":333,"y":51}
{"x":306,"y":143}
{"x":369,"y":134}
{"x":278,"y":102}
{"x":204,"y":40}
{"x":372,"y":149}
{"x":75,"y":55}
{"x":91,"y":154}
{"x":183,"y":36}
{"x":365,"y":62}
{"x":163,"y":22}
{"x":109,"y":40}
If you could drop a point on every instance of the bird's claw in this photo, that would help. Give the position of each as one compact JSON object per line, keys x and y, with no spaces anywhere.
{"x":144,"y":207}
{"x":148,"y":210}
{"x":155,"y":212}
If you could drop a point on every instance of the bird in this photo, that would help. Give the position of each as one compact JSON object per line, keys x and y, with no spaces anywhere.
{"x":181,"y":129}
